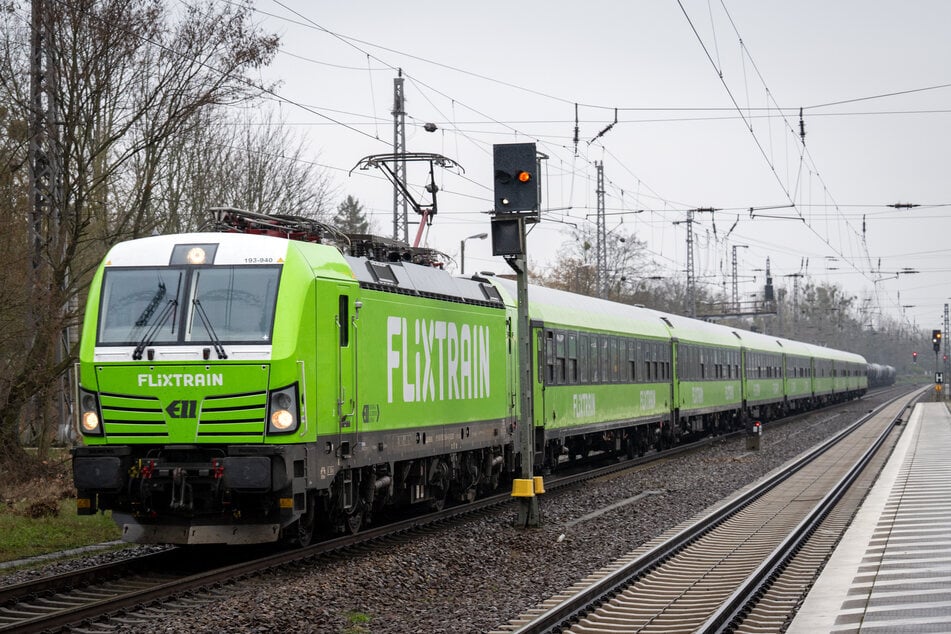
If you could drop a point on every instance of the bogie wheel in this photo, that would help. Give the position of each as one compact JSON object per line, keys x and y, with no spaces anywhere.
{"x":439,"y":486}
{"x":301,"y":533}
{"x":354,"y":519}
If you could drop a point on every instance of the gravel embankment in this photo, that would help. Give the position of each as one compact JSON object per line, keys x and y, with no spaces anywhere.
{"x":474,"y":577}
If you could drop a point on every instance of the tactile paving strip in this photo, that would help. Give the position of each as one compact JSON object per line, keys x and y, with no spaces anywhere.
{"x":903,"y":583}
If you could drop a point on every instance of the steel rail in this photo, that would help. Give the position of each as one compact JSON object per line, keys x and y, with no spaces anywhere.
{"x":586,"y":599}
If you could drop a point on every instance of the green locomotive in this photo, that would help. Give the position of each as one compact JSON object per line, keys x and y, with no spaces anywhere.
{"x":237,"y":387}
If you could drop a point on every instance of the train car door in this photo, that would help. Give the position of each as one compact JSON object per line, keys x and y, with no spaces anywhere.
{"x":744,"y":388}
{"x":673,"y":377}
{"x":346,"y":371}
{"x":543,"y":374}
{"x":512,"y":378}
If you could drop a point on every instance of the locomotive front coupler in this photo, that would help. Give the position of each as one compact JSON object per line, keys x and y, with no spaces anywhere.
{"x":181,"y":490}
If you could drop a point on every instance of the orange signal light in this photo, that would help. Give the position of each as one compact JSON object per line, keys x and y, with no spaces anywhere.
{"x":524,"y":177}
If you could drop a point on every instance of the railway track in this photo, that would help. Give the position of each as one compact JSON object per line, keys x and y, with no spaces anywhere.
{"x":65,"y":599}
{"x":733,"y":569}
{"x":136,"y":585}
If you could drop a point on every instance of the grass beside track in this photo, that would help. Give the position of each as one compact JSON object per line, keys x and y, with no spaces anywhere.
{"x":22,"y":536}
{"x":38,"y":514}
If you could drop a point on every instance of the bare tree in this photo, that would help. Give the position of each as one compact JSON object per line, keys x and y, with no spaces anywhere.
{"x":250,"y":163}
{"x":629,"y":273}
{"x":270,"y":173}
{"x":129,"y":79}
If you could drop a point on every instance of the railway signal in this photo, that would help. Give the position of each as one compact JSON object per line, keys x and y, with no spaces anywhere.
{"x":516,"y":188}
{"x":516,"y":196}
{"x":936,"y":340}
{"x":754,"y":436}
{"x":914,"y":357}
{"x":516,"y":204}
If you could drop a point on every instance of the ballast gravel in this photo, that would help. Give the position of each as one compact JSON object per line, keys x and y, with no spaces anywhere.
{"x":476,"y":576}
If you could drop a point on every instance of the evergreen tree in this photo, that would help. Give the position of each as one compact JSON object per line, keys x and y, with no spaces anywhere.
{"x":350,"y":217}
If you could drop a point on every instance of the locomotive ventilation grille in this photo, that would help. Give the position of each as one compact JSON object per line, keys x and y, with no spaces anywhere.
{"x":217,"y":418}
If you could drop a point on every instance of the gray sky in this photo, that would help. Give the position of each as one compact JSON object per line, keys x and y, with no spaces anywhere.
{"x":872,"y":77}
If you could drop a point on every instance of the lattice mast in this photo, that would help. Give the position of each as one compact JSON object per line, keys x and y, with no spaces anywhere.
{"x":400,"y":207}
{"x":46,"y":193}
{"x":601,"y":245}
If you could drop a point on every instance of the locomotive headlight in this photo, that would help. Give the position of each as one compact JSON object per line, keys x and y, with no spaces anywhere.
{"x":195,"y":255}
{"x":90,"y":423}
{"x":282,"y":420}
{"x":283,"y":411}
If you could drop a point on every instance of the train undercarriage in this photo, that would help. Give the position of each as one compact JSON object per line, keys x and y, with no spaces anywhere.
{"x":357,"y":495}
{"x":250,"y":494}
{"x":199,"y":494}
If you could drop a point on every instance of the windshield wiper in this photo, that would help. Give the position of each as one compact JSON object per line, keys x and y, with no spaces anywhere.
{"x":219,"y":349}
{"x":150,"y":335}
{"x":153,"y":304}
{"x":167,"y":312}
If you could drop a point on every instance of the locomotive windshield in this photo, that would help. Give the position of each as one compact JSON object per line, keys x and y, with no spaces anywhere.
{"x":221,"y":304}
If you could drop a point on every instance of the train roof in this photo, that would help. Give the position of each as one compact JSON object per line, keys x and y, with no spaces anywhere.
{"x":578,"y":311}
{"x":836,"y":355}
{"x":769,"y":343}
{"x":323,"y":260}
{"x":562,"y":308}
{"x":231,"y":248}
{"x":695,"y":330}
{"x":426,"y":281}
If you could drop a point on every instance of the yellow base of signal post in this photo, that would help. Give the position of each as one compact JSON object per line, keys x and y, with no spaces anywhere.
{"x":528,"y":487}
{"x":539,"y":485}
{"x":523,"y":488}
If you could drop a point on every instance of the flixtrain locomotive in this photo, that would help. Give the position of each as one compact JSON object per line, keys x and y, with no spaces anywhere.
{"x":251,"y":384}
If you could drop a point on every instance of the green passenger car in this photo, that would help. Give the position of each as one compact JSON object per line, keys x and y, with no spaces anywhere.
{"x":708,"y":376}
{"x":603,"y":374}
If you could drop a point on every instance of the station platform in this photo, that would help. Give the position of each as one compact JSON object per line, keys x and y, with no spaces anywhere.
{"x":892,"y":569}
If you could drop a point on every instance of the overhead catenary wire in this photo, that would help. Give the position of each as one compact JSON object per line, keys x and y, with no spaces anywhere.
{"x":640,"y":194}
{"x":785,"y":188}
{"x":748,"y":117}
{"x":566,"y":100}
{"x":353,"y":42}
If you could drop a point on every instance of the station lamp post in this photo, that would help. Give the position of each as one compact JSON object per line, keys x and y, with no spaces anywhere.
{"x":462,"y":250}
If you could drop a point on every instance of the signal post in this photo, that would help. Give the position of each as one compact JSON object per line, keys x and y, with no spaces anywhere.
{"x":938,"y":377}
{"x":516,"y":205}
